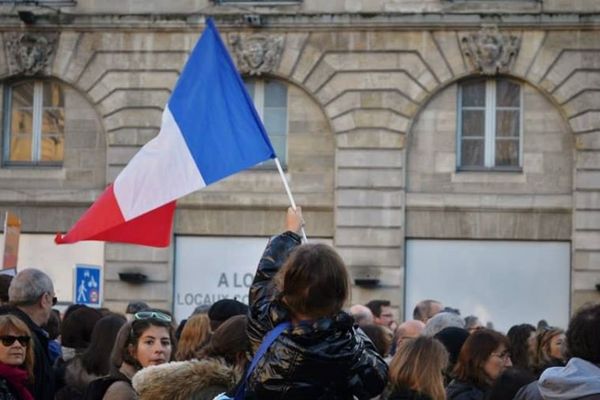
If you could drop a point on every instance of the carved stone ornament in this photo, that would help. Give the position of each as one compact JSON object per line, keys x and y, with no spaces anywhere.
{"x":29,"y":53}
{"x":490,"y":51}
{"x":257,"y":54}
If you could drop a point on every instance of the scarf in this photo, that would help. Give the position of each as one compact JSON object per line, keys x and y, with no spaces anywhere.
{"x":17,"y":379}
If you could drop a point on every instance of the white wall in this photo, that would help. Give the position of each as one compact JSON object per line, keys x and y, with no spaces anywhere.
{"x":505,"y":282}
{"x":39,"y":251}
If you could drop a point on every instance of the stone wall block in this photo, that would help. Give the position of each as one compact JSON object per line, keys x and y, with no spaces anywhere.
{"x":587,"y":121}
{"x":581,"y":102}
{"x":384,"y":198}
{"x":319,"y":76}
{"x":343,"y":123}
{"x":371,"y":217}
{"x":370,"y":178}
{"x":580,"y":298}
{"x":371,"y":256}
{"x":587,"y":220}
{"x":156,"y":272}
{"x":530,"y":44}
{"x":121,"y":291}
{"x":120,"y":99}
{"x":587,"y":160}
{"x":370,"y":158}
{"x":586,"y":240}
{"x":368,"y":236}
{"x":372,"y":80}
{"x":588,"y":141}
{"x":588,"y":179}
{"x":142,"y":117}
{"x":291,"y":51}
{"x":81,"y":55}
{"x":371,"y":138}
{"x":120,"y":155}
{"x":125,"y":252}
{"x":307,"y":60}
{"x":587,"y":200}
{"x":585,"y":280}
{"x":448,"y":43}
{"x":576,"y":84}
{"x":586,"y":260}
{"x":346,"y":102}
{"x":65,"y":50}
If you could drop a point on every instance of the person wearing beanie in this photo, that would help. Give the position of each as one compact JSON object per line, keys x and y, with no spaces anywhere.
{"x":453,"y":339}
{"x":224,"y":309}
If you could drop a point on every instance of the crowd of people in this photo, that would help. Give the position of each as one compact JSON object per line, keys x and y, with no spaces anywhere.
{"x":294,"y":340}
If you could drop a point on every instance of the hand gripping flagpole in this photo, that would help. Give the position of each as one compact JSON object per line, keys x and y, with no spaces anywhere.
{"x":289,"y":193}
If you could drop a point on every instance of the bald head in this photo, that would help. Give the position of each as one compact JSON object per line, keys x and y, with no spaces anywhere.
{"x":409,"y":329}
{"x":426,"y":309}
{"x":361,"y":314}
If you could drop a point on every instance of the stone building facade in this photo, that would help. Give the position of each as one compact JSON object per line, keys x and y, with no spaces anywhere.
{"x":372,"y":120}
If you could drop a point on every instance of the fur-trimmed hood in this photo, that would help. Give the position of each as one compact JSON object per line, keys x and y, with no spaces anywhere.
{"x":185,"y":380}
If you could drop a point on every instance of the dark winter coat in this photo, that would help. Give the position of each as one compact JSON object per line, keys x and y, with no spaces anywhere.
{"x":43,"y":372}
{"x":458,"y":390}
{"x":328,"y":359}
{"x":6,"y":392}
{"x":77,"y":380}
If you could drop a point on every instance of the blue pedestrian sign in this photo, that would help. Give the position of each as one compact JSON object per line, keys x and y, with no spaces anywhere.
{"x":87,"y":285}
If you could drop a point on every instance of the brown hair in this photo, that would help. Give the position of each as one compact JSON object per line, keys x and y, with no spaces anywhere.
{"x":313,"y":281}
{"x":474,"y":354}
{"x":543,"y":339}
{"x":418,"y":365}
{"x":195,"y":334}
{"x":8,"y":322}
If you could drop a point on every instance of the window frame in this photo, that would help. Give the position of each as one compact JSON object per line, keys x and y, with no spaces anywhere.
{"x":36,"y":134}
{"x":258,"y":99}
{"x":490,"y":110}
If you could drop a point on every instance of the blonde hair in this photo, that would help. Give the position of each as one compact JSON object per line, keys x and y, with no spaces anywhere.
{"x":418,"y":365}
{"x":10,"y":322}
{"x":195,"y":334}
{"x":543,"y":339}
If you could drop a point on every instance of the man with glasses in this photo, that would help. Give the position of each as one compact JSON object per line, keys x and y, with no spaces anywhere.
{"x":31,"y":295}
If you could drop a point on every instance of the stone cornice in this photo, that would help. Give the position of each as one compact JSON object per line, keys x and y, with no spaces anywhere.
{"x":326,"y":22}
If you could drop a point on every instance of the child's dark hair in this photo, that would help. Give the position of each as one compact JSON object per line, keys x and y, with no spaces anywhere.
{"x":135,"y":332}
{"x":313,"y":281}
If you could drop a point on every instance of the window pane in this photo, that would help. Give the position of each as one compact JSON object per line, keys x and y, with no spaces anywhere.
{"x":279,"y":145}
{"x":275,"y":94}
{"x":250,"y":88}
{"x":507,"y":93}
{"x":275,"y":120}
{"x":507,"y":153}
{"x":53,"y":121}
{"x":472,"y":152}
{"x":473,"y":123}
{"x":52,"y":148}
{"x":22,"y":95}
{"x":53,"y":95}
{"x":21,"y":122}
{"x":507,"y":123}
{"x":473,"y":94}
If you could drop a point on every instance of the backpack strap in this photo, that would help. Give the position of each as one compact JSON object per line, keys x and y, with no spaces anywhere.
{"x":264,"y":346}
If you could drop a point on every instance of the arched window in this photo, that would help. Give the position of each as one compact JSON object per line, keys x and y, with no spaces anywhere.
{"x":34,"y":123}
{"x":270,"y":100}
{"x":490,"y":124}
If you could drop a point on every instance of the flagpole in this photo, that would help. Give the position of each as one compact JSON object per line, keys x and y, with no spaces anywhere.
{"x":289,"y":193}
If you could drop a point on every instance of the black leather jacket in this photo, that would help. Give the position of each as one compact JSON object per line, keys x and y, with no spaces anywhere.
{"x":325,"y":359}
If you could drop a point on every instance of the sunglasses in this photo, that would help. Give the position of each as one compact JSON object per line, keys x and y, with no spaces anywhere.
{"x":9,"y":340}
{"x":140,"y":315}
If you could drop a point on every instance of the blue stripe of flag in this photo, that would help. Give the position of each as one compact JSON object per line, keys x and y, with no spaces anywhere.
{"x":215,"y":114}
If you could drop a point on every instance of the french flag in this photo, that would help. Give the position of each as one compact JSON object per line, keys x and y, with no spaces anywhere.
{"x":209,"y":130}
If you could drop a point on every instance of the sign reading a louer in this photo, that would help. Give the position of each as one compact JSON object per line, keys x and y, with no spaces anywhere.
{"x":208,"y":269}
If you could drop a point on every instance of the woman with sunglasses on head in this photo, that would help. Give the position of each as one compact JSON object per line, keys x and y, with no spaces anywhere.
{"x":482,"y":359}
{"x":148,"y":339}
{"x":16,"y":359}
